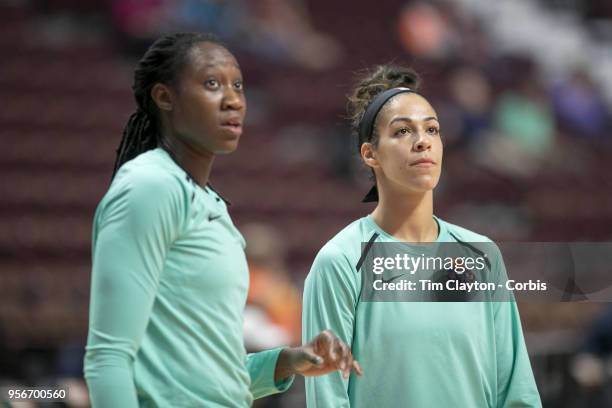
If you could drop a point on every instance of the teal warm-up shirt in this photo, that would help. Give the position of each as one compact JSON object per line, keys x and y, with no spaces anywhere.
{"x":414,"y":354}
{"x":169,"y":285}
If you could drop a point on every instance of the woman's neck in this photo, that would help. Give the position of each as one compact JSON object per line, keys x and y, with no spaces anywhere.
{"x":407,"y":216}
{"x":197,"y":163}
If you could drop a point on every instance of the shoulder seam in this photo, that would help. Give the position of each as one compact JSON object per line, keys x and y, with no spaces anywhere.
{"x":365,"y":251}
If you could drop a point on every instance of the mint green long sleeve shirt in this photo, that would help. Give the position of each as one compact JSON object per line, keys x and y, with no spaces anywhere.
{"x":414,"y":354}
{"x":169,"y":285}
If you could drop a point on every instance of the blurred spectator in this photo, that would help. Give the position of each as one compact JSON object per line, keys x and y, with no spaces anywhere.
{"x":223,"y":18}
{"x":273,"y":314}
{"x":287,"y":25}
{"x":279,"y":31}
{"x":139,"y":18}
{"x":524,"y":116}
{"x":137,"y":22}
{"x":592,"y":366}
{"x":599,"y":340}
{"x":470,"y":90}
{"x":424,"y":32}
{"x":523,"y":135}
{"x":579,"y":105}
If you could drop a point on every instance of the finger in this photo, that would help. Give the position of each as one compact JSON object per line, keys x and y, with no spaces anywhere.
{"x":344,"y":353}
{"x":357,"y":368}
{"x":349,"y":365}
{"x":312,"y":358}
{"x":347,"y":359}
{"x":330,"y":346}
{"x":336,"y":348}
{"x":340,"y":356}
{"x":320,"y":344}
{"x":346,"y":373}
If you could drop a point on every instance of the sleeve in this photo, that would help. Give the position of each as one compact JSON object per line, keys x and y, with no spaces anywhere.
{"x":261,"y":367}
{"x":133,"y":230}
{"x":331,"y":292}
{"x":516,"y":386}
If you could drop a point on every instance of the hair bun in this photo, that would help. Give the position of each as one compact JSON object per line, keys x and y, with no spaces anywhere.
{"x":375,"y":81}
{"x":401,"y":77}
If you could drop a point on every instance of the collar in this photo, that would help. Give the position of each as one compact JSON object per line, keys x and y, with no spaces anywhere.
{"x":191,"y":178}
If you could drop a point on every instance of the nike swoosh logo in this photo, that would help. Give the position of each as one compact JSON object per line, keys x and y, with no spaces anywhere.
{"x":213,"y":217}
{"x":394,"y":278}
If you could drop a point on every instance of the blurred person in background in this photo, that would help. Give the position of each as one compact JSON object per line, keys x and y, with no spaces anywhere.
{"x":523,"y":134}
{"x":281,"y":31}
{"x":422,"y":354}
{"x":169,"y":275}
{"x":137,"y":22}
{"x":579,"y":107}
{"x":471,"y":96}
{"x":591,"y":367}
{"x":273,"y":300}
{"x":424,"y":32}
{"x":272,"y":316}
{"x":437,"y":32}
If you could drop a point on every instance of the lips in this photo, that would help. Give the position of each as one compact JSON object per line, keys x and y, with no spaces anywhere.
{"x":236,"y":122}
{"x":233,"y":126}
{"x":423,"y":162}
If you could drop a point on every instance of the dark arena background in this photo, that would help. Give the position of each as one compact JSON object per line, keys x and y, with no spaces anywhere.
{"x":523,"y":90}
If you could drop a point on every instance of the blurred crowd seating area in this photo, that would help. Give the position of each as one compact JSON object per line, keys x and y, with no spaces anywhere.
{"x":528,"y":143}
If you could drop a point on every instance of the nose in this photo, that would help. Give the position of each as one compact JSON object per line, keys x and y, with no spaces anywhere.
{"x":232,"y":100}
{"x":422,"y":143}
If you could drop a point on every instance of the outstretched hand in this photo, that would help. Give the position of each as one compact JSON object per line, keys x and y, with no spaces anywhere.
{"x":323,"y":354}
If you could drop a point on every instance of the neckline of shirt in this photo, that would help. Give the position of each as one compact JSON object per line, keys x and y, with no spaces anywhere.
{"x":172,"y":160}
{"x":208,"y":188}
{"x":442,"y":231}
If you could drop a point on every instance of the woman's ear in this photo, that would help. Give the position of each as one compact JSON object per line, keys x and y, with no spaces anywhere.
{"x":162,"y":96}
{"x":368,"y":155}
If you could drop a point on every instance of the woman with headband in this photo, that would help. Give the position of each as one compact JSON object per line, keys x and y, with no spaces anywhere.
{"x":417,"y":354}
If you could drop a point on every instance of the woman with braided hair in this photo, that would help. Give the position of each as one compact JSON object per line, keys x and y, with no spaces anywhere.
{"x":169,"y":275}
{"x":417,"y":353}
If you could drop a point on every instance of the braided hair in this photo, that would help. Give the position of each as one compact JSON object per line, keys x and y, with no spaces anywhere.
{"x":161,"y":63}
{"x":373,"y":83}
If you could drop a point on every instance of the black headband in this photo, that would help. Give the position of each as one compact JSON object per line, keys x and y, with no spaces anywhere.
{"x":366,"y":126}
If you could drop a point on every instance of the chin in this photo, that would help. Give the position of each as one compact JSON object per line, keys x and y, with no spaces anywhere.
{"x":421,"y":189}
{"x":227,"y":148}
{"x":424,"y":184}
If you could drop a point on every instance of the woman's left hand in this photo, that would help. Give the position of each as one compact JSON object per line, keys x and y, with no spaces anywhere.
{"x":323,"y":354}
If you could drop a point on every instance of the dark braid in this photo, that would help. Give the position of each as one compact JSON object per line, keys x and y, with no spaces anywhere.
{"x":162,"y":63}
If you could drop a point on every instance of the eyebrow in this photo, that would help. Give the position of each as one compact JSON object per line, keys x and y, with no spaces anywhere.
{"x":407,"y":119}
{"x":216,"y":64}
